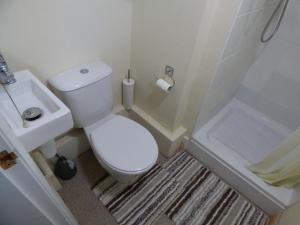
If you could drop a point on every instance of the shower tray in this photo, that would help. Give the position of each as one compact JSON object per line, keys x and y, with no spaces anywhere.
{"x":246,"y":131}
{"x":238,"y":136}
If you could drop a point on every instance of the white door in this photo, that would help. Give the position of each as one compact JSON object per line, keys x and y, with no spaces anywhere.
{"x":25,"y":195}
{"x":16,"y":209}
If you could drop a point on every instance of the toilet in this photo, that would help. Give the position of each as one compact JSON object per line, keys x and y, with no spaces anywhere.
{"x":123,"y":147}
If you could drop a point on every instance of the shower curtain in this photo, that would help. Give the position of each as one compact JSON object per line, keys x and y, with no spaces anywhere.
{"x":282,"y":166}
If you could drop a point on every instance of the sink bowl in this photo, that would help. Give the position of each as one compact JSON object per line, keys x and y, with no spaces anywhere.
{"x":29,"y":92}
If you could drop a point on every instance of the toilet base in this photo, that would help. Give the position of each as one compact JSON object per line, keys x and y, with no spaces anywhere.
{"x":124,"y":178}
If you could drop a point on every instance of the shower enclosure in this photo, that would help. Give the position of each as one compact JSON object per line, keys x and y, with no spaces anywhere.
{"x":253,"y":102}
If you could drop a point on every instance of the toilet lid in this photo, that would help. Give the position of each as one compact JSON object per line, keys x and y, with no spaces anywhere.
{"x":125,"y":145}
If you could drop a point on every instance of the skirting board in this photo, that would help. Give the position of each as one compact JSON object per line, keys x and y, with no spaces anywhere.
{"x":168,"y":142}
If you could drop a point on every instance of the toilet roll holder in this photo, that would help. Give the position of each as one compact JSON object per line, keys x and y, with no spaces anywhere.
{"x":169,"y":73}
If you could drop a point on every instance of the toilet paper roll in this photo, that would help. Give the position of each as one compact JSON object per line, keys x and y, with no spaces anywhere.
{"x":164,"y":85}
{"x":128,"y":93}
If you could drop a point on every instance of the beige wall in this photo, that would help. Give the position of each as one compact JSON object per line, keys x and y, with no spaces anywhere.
{"x":48,"y":37}
{"x":164,"y":33}
{"x":291,"y":216}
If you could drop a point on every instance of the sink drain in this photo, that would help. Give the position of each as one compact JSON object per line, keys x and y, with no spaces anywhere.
{"x":32,"y":114}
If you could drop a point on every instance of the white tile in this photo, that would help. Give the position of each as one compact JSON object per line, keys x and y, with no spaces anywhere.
{"x":289,"y":29}
{"x":246,"y":31}
{"x":252,"y":5}
{"x":228,"y":78}
{"x":273,"y":82}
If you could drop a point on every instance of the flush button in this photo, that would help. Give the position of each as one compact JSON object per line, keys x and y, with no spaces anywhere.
{"x":84,"y":71}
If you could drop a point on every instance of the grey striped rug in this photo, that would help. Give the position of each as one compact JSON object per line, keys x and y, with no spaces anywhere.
{"x":142,"y":202}
{"x":205,"y":199}
{"x":187,"y":192}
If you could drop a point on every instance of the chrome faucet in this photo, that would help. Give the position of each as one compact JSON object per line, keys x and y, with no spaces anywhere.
{"x":6,"y":76}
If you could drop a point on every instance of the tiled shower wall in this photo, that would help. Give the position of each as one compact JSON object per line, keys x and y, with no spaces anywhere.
{"x":272,"y":85}
{"x":238,"y":55}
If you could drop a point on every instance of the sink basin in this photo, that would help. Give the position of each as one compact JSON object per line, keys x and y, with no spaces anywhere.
{"x":29,"y":92}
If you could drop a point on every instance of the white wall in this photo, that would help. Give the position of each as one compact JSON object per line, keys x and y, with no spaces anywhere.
{"x":238,"y":55}
{"x":48,"y":37}
{"x":272,"y":84}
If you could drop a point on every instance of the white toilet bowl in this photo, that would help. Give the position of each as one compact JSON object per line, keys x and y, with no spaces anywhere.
{"x":123,"y":147}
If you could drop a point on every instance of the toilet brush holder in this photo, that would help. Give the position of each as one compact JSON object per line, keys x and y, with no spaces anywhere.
{"x":65,"y":169}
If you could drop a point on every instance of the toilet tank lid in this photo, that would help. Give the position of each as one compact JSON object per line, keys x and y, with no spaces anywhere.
{"x":80,"y":76}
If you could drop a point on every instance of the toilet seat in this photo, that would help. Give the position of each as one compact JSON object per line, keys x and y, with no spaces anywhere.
{"x":124,"y":145}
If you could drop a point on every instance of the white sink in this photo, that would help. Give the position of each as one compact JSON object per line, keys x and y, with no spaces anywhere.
{"x":28,"y":92}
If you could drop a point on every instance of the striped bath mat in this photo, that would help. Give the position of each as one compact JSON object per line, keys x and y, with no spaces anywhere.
{"x":142,"y":202}
{"x":205,"y":199}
